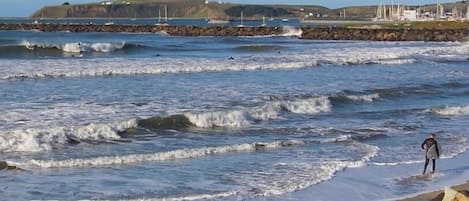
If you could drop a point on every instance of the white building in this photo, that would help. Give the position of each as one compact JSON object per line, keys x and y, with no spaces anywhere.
{"x":106,"y":3}
{"x":409,"y":15}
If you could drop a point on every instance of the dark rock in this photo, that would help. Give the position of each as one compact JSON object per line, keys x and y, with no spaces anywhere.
{"x":333,"y":33}
{"x":4,"y":166}
{"x":439,"y":197}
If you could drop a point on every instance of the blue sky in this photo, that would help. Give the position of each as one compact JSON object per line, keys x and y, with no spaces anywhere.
{"x":23,"y":8}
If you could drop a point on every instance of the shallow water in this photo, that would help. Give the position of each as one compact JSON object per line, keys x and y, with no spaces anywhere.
{"x":131,"y":116}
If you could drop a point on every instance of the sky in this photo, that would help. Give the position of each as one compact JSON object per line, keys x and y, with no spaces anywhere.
{"x":24,"y":8}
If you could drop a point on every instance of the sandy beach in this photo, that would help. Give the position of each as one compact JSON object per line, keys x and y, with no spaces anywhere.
{"x":437,"y":195}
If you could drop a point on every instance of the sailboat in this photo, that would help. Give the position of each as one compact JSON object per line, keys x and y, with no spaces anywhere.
{"x":242,"y":20}
{"x":165,"y":23}
{"x":263,"y":22}
{"x":110,"y":22}
{"x":210,"y":21}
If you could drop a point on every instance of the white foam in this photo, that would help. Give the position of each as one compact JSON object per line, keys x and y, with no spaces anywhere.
{"x":219,"y":119}
{"x":291,"y":177}
{"x":451,"y":111}
{"x":364,"y":98}
{"x":292,"y":31}
{"x":37,"y":139}
{"x":190,"y":197}
{"x":76,"y":47}
{"x":309,"y":106}
{"x":397,"y":163}
{"x":458,"y":147}
{"x":125,"y":66}
{"x":159,"y":156}
{"x":245,"y":117}
{"x":341,"y":138}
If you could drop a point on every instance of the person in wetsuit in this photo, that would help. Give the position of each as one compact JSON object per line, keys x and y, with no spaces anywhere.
{"x":432,"y":152}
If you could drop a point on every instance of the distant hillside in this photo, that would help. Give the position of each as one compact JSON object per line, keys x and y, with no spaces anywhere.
{"x":178,"y":8}
{"x":198,"y":9}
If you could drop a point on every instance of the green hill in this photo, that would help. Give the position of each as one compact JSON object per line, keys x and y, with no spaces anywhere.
{"x":199,"y":9}
{"x":176,"y":9}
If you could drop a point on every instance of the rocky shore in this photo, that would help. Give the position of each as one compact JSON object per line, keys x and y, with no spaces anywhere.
{"x":386,"y":34}
{"x":333,"y":33}
{"x":455,"y":193}
{"x":171,"y":30}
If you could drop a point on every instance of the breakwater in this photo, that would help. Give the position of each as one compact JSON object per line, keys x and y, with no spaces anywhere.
{"x":171,"y":30}
{"x":385,"y":34}
{"x":333,"y":33}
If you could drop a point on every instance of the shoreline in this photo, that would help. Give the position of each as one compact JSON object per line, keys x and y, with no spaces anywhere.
{"x":307,"y":33}
{"x":386,"y":183}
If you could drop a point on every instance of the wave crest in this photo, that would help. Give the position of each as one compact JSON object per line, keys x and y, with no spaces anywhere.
{"x":245,"y":117}
{"x":35,"y":140}
{"x":451,"y":111}
{"x":160,"y":156}
{"x":76,"y":47}
{"x":292,"y":31}
{"x":364,"y":98}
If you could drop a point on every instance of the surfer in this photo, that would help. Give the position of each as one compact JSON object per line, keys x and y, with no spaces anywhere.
{"x":432,"y":151}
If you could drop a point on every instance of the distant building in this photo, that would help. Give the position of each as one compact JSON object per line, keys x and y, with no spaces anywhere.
{"x":106,"y":3}
{"x":409,"y":15}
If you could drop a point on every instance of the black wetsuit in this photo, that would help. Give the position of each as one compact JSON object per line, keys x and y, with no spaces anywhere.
{"x":426,"y":145}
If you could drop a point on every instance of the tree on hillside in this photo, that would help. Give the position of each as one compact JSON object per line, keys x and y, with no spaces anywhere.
{"x":66,"y":4}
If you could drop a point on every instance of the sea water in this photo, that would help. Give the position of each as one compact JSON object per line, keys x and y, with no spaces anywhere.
{"x":116,"y":116}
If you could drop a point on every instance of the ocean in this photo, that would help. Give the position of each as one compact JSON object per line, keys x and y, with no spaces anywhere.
{"x":127,"y":116}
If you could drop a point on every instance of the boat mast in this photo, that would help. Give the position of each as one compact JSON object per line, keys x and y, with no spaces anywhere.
{"x":166,"y":12}
{"x":242,"y":15}
{"x":159,"y":14}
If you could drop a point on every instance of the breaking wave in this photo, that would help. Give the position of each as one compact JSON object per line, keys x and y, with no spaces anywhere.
{"x":240,"y":117}
{"x":35,"y":140}
{"x":28,"y":69}
{"x":347,"y":96}
{"x":77,"y":47}
{"x":160,"y":156}
{"x":364,"y":98}
{"x":243,"y":118}
{"x":68,"y":47}
{"x":44,"y":139}
{"x":292,"y":31}
{"x":451,"y":111}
